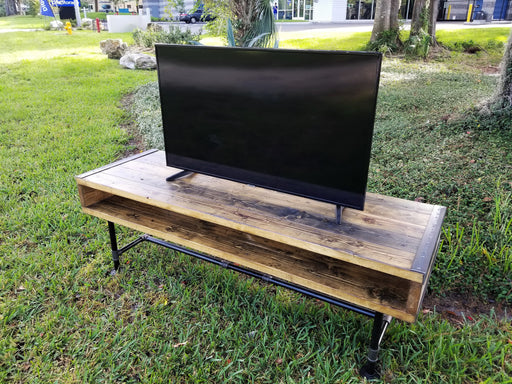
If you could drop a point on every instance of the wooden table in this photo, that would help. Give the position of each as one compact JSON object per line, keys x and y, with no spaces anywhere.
{"x":377,"y":261}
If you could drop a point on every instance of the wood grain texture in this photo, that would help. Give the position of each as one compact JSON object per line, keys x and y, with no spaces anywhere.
{"x":367,"y":260}
{"x":333,"y":277}
{"x":89,"y":196}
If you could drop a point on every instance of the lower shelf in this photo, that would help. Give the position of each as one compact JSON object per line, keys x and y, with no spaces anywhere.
{"x":363,"y":287}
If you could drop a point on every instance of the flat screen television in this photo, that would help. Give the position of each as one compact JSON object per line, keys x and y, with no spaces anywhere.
{"x":295,"y":121}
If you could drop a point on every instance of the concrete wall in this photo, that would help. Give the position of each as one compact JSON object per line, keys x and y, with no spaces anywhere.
{"x":329,"y":10}
{"x":127,"y":23}
{"x":156,"y":7}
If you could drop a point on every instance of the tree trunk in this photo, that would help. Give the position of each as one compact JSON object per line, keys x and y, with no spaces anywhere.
{"x":393,"y":16}
{"x":504,"y":93}
{"x":433,"y":11}
{"x":381,"y":18}
{"x":418,"y":19}
{"x":424,"y":17}
{"x":386,"y":17}
{"x":10,"y":7}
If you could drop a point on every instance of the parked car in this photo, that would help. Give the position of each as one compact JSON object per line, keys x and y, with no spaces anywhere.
{"x":106,"y":8}
{"x":195,"y":16}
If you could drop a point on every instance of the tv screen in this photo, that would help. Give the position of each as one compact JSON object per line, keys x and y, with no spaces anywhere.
{"x":295,"y":121}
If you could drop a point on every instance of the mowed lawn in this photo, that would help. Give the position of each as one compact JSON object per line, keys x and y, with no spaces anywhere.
{"x":169,"y":318}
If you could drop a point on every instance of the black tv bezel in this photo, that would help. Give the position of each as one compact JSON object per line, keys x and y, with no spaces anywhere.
{"x":290,"y":186}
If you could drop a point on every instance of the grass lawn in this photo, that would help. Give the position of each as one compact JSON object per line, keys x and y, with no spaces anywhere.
{"x":24,"y":22}
{"x":170,"y":318}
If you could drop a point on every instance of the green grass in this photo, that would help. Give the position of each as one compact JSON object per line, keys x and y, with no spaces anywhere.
{"x":483,"y":36}
{"x":97,"y":15}
{"x":170,"y":318}
{"x":24,"y":22}
{"x":344,"y":41}
{"x":55,"y":45}
{"x":492,"y":40}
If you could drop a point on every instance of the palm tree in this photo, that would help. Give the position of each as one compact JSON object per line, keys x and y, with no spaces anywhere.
{"x":250,"y":23}
{"x":253,"y":23}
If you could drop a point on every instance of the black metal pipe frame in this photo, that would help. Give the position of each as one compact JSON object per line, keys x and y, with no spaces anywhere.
{"x":380,"y":321}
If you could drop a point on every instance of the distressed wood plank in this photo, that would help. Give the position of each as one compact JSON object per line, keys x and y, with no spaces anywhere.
{"x":346,"y":281}
{"x":401,"y":210}
{"x":328,"y":242}
{"x":272,"y":201}
{"x":89,"y":196}
{"x":118,"y":163}
{"x":379,"y":258}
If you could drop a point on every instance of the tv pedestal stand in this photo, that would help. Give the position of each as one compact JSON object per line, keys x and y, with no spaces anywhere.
{"x":339,"y":213}
{"x":377,"y":262}
{"x":179,"y":175}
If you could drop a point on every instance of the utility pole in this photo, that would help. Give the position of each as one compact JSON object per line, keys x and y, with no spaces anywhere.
{"x":77,"y":13}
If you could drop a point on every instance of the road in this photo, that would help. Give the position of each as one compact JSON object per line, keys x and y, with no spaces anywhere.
{"x":307,"y":28}
{"x":314,"y":28}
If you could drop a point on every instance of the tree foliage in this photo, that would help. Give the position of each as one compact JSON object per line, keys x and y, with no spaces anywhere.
{"x":178,"y":5}
{"x":252,"y":20}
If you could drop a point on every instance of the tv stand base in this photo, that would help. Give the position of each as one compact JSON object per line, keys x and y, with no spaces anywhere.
{"x":339,"y":213}
{"x":370,"y":370}
{"x":374,"y":262}
{"x":179,"y":175}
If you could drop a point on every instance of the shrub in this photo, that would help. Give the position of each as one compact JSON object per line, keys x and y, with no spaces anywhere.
{"x":147,"y":114}
{"x":418,"y":45}
{"x":467,"y":46}
{"x":33,"y":8}
{"x":174,"y":36}
{"x":386,"y":42}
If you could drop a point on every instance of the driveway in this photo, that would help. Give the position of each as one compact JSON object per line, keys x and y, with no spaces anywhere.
{"x":312,"y":28}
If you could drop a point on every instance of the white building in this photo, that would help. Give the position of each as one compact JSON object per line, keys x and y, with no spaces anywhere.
{"x":342,"y":10}
{"x":160,"y":8}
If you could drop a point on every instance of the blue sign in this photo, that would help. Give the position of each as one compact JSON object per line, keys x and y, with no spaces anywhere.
{"x":45,"y":8}
{"x":64,"y":3}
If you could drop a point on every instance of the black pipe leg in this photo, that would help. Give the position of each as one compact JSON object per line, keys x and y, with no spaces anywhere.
{"x":371,"y":369}
{"x":113,"y":245}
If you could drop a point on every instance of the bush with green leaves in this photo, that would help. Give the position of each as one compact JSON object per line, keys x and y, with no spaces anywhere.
{"x":147,"y":115}
{"x":174,"y":36}
{"x":467,"y":46}
{"x":418,"y":45}
{"x":33,"y":8}
{"x":386,"y":42}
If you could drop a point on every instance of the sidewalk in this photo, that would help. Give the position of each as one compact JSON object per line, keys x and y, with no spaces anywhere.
{"x":367,"y":25}
{"x":310,"y":28}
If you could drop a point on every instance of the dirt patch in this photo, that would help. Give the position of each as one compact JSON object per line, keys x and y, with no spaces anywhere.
{"x":491,"y":69}
{"x":458,"y":308}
